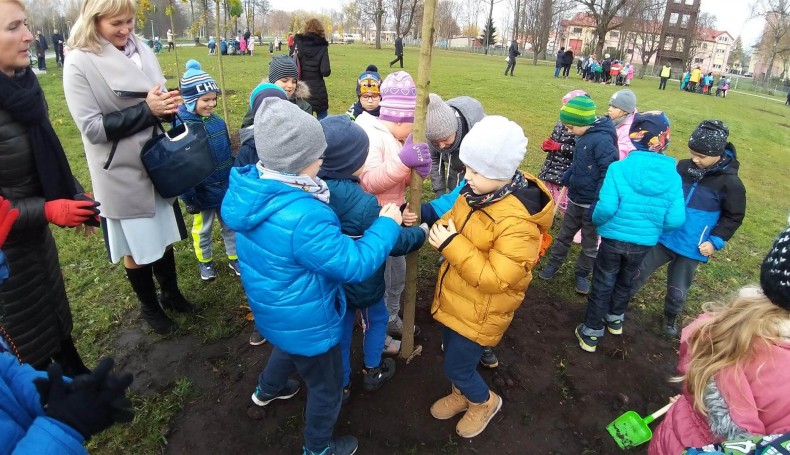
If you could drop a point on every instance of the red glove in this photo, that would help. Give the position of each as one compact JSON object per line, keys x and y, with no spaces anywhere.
{"x":550,"y":145}
{"x":68,"y":213}
{"x":7,"y":218}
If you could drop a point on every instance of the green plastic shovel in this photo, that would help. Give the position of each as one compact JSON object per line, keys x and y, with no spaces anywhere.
{"x":630,"y":429}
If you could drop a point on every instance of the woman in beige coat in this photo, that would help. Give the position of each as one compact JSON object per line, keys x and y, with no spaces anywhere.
{"x":116,"y":93}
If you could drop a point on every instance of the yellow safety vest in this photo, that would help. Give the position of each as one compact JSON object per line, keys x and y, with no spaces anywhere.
{"x":665,"y":72}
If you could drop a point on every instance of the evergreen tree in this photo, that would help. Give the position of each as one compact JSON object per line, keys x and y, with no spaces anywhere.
{"x":488,"y":32}
{"x":736,"y":54}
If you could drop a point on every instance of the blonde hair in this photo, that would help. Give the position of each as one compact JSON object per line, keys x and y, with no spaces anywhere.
{"x":729,"y":339}
{"x":84,"y":34}
{"x":20,"y":3}
{"x":315,"y":27}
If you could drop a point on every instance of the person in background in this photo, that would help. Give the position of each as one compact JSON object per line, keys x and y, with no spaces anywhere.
{"x":368,"y":93}
{"x":666,"y":73}
{"x":57,"y":45}
{"x":290,"y":44}
{"x":284,"y":74}
{"x":622,"y":108}
{"x":512,"y":54}
{"x":558,"y":61}
{"x":313,"y":55}
{"x":41,"y":50}
{"x":398,"y":51}
{"x":171,"y":43}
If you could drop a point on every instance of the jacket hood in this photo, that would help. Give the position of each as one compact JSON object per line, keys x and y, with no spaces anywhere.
{"x":246,"y":133}
{"x":470,"y":109}
{"x":366,"y":120}
{"x":302,"y":91}
{"x":603,"y":126}
{"x":251,"y":200}
{"x":647,"y":172}
{"x":535,"y":198}
{"x":309,"y":44}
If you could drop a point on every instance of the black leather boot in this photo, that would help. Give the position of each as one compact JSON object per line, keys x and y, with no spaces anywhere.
{"x":142,"y":282}
{"x":171,"y":297}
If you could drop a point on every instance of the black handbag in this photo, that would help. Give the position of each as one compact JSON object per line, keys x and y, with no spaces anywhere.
{"x":177,"y":160}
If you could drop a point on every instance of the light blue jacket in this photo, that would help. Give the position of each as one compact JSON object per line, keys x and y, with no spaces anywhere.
{"x":295,"y":259}
{"x":24,"y":427}
{"x":641,"y":197}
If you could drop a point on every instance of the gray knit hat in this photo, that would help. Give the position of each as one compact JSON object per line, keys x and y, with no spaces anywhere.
{"x":494,"y":147}
{"x":440,"y":120}
{"x":282,"y":66}
{"x":625,"y":100}
{"x":287,"y":138}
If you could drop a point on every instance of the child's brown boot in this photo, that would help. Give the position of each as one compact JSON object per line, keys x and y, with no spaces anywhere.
{"x":450,"y":405}
{"x":477,"y":416}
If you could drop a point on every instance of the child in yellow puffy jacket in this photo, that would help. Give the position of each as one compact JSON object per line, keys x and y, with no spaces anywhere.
{"x":490,"y":239}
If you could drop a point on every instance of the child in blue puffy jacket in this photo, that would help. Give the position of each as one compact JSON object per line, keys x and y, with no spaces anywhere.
{"x":199,"y":92}
{"x":344,"y":160}
{"x":295,"y":259}
{"x":715,"y":204}
{"x":641,"y":198}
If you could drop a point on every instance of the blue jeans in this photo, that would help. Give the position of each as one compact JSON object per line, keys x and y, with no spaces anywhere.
{"x":323,"y":376}
{"x":460,"y":366}
{"x":375,"y":320}
{"x":321,"y":114}
{"x":616,"y":267}
{"x":680,"y":275}
{"x":557,"y":71}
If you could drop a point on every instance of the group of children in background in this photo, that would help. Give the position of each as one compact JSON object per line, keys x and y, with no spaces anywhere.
{"x":606,"y":71}
{"x":318,"y":206}
{"x":695,"y":81}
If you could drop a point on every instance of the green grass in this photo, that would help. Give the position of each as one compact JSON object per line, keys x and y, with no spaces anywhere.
{"x":101,"y":297}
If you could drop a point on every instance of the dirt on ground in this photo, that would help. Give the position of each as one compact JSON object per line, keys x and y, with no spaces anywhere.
{"x":558,"y":399}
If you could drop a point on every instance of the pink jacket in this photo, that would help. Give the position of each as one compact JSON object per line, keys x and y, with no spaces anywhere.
{"x":758,"y":398}
{"x":385,"y":176}
{"x":624,"y":144}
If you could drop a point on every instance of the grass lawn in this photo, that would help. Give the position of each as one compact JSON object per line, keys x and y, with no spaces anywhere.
{"x":102,"y":298}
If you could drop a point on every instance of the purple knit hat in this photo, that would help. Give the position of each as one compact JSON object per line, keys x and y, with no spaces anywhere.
{"x":398,"y":98}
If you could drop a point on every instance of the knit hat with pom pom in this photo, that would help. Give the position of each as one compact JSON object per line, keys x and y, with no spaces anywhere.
{"x":775,"y":271}
{"x":196,"y":83}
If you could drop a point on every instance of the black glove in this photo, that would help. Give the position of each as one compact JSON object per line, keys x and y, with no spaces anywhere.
{"x":89,"y":404}
{"x":94,"y":220}
{"x":192,"y":209}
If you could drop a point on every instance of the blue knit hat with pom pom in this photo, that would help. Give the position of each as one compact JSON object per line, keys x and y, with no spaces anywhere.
{"x":196,"y":83}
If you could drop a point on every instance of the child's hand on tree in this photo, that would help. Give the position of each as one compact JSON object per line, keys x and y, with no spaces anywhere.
{"x":706,"y":249}
{"x":391,"y":211}
{"x":440,"y":233}
{"x":409,"y":217}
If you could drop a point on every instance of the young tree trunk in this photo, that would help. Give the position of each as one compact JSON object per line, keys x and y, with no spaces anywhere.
{"x":415,"y":189}
{"x":379,"y":13}
{"x":173,"y":30}
{"x":221,"y":70}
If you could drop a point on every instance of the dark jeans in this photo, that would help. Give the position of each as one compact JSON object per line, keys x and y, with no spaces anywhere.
{"x":566,"y":70}
{"x":663,"y":84}
{"x":42,"y":62}
{"x":460,"y":365}
{"x":321,"y":114}
{"x":399,"y":58}
{"x":323,"y":376}
{"x":573,"y":221}
{"x":680,"y":275}
{"x":616,"y":265}
{"x":511,"y":65}
{"x":557,"y":71}
{"x":59,"y":54}
{"x":170,"y":46}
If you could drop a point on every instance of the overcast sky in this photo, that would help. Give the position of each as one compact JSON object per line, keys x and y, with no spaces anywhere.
{"x":732,"y":15}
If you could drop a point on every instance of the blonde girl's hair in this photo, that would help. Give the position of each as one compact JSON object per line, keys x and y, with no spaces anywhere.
{"x":20,"y":3}
{"x":729,"y":339}
{"x":315,"y":27}
{"x":84,"y":34}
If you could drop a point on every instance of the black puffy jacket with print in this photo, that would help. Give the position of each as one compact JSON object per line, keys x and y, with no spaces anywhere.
{"x":557,"y":162}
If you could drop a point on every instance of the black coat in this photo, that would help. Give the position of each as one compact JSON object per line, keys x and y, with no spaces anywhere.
{"x":33,"y":304}
{"x":567,"y":58}
{"x":314,"y":59}
{"x":513,"y":51}
{"x":399,"y":46}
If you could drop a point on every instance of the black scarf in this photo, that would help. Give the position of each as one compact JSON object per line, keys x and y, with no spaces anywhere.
{"x":697,"y":173}
{"x":21,"y":96}
{"x":478,"y":201}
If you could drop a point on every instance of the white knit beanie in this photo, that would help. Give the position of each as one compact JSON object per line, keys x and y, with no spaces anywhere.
{"x":494,"y":147}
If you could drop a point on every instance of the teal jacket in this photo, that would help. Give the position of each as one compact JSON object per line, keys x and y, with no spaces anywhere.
{"x":641,"y":197}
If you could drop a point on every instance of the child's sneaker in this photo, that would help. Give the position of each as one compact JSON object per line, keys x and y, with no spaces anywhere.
{"x":488,"y":359}
{"x":256,"y":339}
{"x":233,"y":264}
{"x":376,"y":377}
{"x":588,"y":343}
{"x":207,"y":272}
{"x":341,"y":445}
{"x":262,"y":399}
{"x":615,"y":326}
{"x":582,"y":285}
{"x":477,"y":416}
{"x":548,"y":272}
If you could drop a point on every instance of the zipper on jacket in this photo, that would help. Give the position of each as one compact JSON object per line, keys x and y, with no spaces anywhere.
{"x":441,"y":280}
{"x":112,"y":154}
{"x":691,"y":192}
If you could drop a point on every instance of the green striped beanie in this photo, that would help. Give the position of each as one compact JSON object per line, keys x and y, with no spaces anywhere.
{"x":578,"y":111}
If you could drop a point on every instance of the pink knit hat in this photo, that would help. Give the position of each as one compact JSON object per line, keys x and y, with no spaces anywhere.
{"x":573,"y":94}
{"x":398,"y":98}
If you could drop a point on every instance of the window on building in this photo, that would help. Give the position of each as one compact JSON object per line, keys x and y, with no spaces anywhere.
{"x":614,"y":34}
{"x":674,"y":18}
{"x":680,"y":45}
{"x":629,"y":51}
{"x":577,"y":29}
{"x":704,"y":46}
{"x":717,"y":67}
{"x":720,"y":51}
{"x":669,"y":43}
{"x":689,"y":2}
{"x":684,"y":20}
{"x":698,"y":60}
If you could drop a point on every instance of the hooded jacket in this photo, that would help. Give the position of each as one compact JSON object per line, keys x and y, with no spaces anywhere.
{"x":468,"y":111}
{"x":489,"y":262}
{"x":756,"y":399}
{"x":24,"y":426}
{"x":313,"y":54}
{"x":294,"y":260}
{"x":385,"y":176}
{"x":641,"y":197}
{"x":715,"y":207}
{"x":357,"y":211}
{"x":594,"y":152}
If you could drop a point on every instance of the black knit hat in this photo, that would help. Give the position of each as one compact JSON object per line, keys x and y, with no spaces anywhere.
{"x":775,"y":271}
{"x":709,"y":138}
{"x":282,"y":66}
{"x":346,"y":147}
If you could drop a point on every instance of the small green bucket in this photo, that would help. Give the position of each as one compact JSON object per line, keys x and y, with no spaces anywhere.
{"x":630,"y":429}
